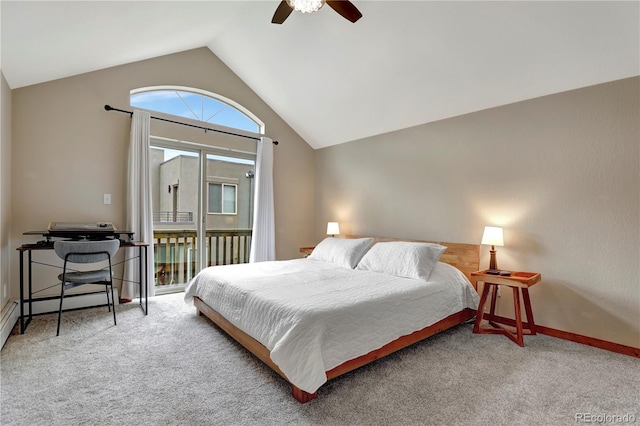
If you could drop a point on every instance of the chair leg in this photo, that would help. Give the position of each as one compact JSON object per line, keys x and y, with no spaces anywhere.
{"x":60,"y":310}
{"x":113,"y":300}
{"x":106,"y":291}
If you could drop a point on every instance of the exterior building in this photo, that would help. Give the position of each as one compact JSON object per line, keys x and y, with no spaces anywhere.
{"x":175,"y":192}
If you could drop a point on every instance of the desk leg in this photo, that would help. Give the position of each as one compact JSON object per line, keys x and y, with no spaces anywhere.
{"x":146,"y":280}
{"x":143,"y":282}
{"x":24,"y":324}
{"x":30,"y":290}
{"x":22,"y":327}
{"x":140,"y":276}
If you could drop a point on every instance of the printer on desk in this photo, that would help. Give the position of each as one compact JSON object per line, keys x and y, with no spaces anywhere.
{"x":80,"y":231}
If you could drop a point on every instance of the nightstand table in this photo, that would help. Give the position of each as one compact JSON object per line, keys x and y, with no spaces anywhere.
{"x":518,"y":281}
{"x":306,"y":250}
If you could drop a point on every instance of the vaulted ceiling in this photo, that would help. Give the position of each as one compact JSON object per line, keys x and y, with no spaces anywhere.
{"x":403,"y":64}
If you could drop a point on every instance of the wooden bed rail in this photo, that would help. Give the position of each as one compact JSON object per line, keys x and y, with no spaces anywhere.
{"x":263,"y":354}
{"x":251,"y":344}
{"x":465,"y":257}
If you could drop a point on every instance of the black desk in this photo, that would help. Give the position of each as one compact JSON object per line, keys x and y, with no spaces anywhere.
{"x":48,"y":245}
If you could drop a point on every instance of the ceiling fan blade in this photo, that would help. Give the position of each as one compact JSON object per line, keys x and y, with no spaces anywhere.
{"x":346,"y":9}
{"x":282,"y":12}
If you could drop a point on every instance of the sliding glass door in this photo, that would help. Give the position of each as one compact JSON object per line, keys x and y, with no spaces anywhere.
{"x":202,"y":209}
{"x":229,"y":209}
{"x":175,"y":185}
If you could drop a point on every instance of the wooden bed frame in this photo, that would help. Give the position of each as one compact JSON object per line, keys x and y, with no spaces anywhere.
{"x":465,"y":257}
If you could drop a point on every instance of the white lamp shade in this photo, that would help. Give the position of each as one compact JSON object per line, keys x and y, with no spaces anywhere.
{"x":492,"y":236}
{"x":333,"y":228}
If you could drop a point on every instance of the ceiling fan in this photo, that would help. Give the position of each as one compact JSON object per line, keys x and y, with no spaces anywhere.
{"x":343,"y":7}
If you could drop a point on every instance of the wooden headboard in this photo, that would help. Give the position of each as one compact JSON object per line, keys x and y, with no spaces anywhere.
{"x":465,"y":257}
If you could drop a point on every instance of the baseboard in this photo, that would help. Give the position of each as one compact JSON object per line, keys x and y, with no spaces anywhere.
{"x":8,"y":319}
{"x":11,"y":312}
{"x":578,"y":338}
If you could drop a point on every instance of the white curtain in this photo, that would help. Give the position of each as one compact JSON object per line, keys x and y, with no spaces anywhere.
{"x":139,"y":207}
{"x":263,"y":241}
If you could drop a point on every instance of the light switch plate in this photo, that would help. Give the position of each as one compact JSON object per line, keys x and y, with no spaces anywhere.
{"x":107,"y":198}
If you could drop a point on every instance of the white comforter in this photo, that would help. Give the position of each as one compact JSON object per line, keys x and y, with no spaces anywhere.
{"x":313,"y":316}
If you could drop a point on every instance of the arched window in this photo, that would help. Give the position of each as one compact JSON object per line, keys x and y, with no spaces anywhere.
{"x":197,"y":105}
{"x":195,"y":183}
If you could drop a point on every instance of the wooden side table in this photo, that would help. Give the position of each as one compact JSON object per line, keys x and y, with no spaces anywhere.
{"x":306,"y":251}
{"x":518,"y":281}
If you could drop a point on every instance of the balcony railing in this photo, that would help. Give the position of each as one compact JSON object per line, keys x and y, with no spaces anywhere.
{"x":172,"y":217}
{"x":176,"y":252}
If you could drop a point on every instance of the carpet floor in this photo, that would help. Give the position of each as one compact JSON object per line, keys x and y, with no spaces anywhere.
{"x":172,"y":367}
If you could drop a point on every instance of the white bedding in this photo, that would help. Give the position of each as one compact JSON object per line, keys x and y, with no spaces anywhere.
{"x":313,"y":316}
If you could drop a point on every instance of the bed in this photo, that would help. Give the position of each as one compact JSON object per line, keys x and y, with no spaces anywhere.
{"x":352,"y":301}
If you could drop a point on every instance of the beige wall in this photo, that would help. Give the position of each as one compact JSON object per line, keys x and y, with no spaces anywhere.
{"x":68,"y":151}
{"x":5,"y":189}
{"x":560,"y":173}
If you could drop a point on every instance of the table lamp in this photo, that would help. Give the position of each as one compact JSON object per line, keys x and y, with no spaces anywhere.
{"x":492,"y":236}
{"x":333,"y":228}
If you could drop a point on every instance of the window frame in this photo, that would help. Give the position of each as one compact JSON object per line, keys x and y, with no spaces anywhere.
{"x":222,"y":186}
{"x":215,"y":96}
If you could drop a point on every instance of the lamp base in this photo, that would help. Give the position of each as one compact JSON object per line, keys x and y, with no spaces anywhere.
{"x":493,"y":263}
{"x":493,"y":272}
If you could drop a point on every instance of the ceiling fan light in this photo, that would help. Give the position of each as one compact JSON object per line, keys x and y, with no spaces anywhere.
{"x":306,"y":6}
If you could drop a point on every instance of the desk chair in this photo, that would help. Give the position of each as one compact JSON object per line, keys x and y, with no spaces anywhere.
{"x":86,"y":252}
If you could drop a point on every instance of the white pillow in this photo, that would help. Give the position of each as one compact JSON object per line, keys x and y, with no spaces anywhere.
{"x":404,"y":259}
{"x":341,"y":251}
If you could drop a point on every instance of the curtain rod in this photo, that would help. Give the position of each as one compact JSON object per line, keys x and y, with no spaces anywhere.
{"x":110,"y":108}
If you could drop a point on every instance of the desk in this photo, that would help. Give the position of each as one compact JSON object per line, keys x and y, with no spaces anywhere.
{"x":48,"y":245}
